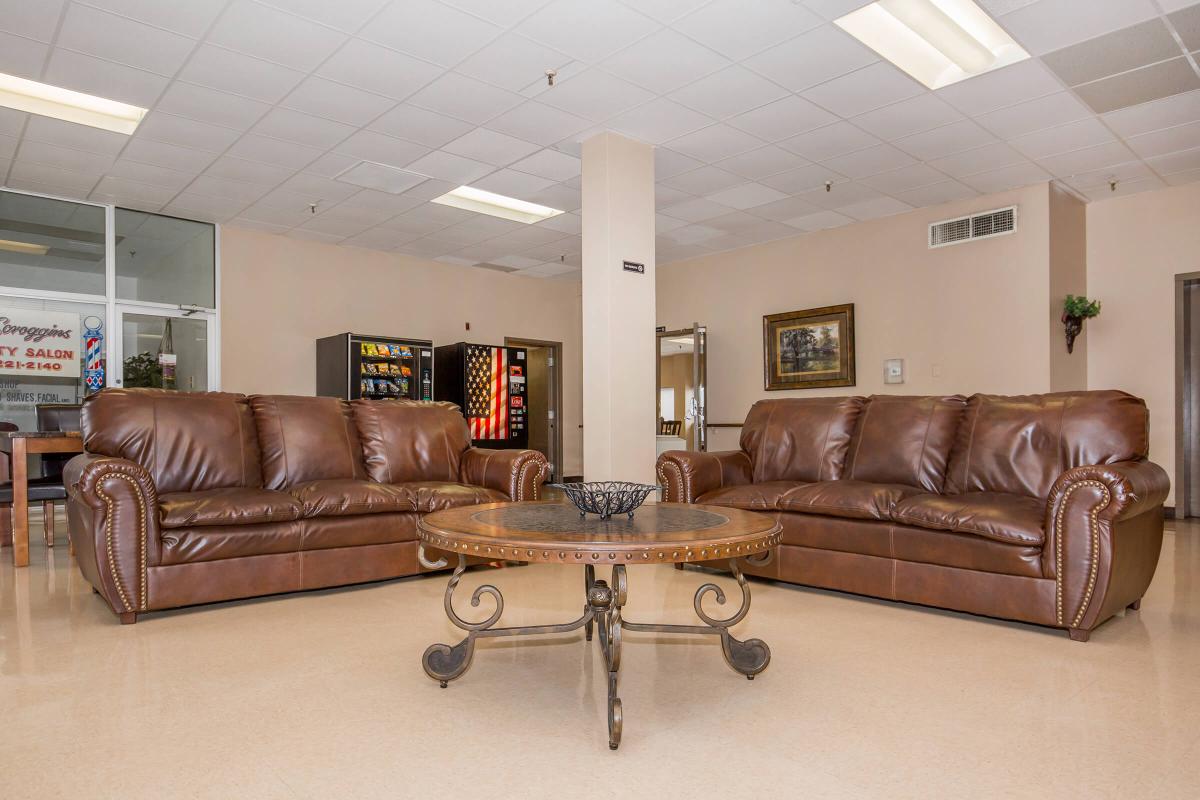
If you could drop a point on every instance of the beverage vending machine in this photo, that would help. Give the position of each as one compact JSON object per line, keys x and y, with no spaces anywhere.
{"x":488,"y":383}
{"x":353,"y":366}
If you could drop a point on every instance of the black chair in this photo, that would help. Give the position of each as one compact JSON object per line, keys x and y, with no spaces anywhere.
{"x":53,"y":417}
{"x":40,"y":490}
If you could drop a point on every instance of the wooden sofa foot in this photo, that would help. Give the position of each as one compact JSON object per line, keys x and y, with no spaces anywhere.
{"x":1136,"y":605}
{"x":1079,"y":634}
{"x":679,"y":565}
{"x":128,"y":617}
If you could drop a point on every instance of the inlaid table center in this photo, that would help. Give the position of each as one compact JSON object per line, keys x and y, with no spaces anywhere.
{"x":555,"y":533}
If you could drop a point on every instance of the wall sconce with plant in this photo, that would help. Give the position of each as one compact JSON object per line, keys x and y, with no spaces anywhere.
{"x":1075,"y":310}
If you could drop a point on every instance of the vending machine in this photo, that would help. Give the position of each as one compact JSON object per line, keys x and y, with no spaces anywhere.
{"x":488,"y":383}
{"x":353,"y":366}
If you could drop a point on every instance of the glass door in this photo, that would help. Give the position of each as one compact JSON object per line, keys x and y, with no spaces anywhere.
{"x":164,"y":349}
{"x":680,"y":390}
{"x":699,"y":388}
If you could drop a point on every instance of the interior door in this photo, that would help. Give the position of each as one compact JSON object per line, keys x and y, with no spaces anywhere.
{"x":699,"y":387}
{"x":164,"y":349}
{"x":680,"y":392}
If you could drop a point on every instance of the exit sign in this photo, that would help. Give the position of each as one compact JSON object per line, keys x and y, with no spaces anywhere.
{"x":633,"y":266}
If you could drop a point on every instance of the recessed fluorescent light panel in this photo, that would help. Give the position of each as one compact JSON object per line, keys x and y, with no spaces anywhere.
{"x":25,"y":248}
{"x":938,"y":42}
{"x":496,"y":205}
{"x":64,"y":104}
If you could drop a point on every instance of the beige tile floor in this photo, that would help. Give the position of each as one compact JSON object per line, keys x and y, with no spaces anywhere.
{"x":320,"y":695}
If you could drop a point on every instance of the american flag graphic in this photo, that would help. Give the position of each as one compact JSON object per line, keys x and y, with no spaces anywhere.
{"x":487,"y":391}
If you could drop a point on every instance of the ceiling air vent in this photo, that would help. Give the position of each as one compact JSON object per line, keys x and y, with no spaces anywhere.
{"x":977,"y":226}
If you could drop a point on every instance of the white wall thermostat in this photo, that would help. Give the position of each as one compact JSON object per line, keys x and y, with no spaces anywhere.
{"x":893,"y":370}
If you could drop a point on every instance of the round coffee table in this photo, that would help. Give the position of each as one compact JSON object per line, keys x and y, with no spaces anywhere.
{"x":556,"y":533}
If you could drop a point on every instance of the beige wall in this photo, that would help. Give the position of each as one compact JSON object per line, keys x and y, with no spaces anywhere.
{"x":966,"y":318}
{"x":1068,"y":275}
{"x":1136,"y":246}
{"x":279,"y":295}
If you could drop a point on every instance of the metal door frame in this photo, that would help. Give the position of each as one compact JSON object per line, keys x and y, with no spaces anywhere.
{"x":698,"y":441}
{"x":1183,"y":376}
{"x":556,"y":395}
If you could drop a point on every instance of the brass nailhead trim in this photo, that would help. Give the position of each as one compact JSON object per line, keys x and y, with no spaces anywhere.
{"x":1093,"y":545}
{"x":108,"y":535}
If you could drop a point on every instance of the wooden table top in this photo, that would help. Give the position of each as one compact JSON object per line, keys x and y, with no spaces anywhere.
{"x":41,"y":434}
{"x":552,"y":531}
{"x":42,"y":441}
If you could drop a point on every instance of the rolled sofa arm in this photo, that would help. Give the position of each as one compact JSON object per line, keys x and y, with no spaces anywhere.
{"x":687,"y":474}
{"x":517,"y":473}
{"x":112,"y":506}
{"x":1103,"y":536}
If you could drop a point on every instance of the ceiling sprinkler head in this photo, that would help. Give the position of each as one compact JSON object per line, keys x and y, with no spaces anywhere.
{"x":551,"y":74}
{"x":1112,"y":185}
{"x":312,"y":207}
{"x":829,"y":186}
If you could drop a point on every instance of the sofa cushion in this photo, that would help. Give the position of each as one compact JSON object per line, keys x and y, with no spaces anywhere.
{"x":1012,"y":518}
{"x":339,"y":498}
{"x":800,"y":439}
{"x":403,"y":440}
{"x":853,"y":499}
{"x":213,"y":542}
{"x":187,"y":441}
{"x":749,"y":496}
{"x":425,"y":496}
{"x":225,"y":507}
{"x":1020,"y":445}
{"x":324,"y":533}
{"x":306,"y":439}
{"x":905,"y":440}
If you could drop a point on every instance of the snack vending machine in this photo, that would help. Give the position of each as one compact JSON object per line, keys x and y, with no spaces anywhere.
{"x":488,"y":383}
{"x":353,"y":366}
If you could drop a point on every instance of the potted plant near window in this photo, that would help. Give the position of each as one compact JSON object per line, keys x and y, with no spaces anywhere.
{"x":1075,"y":310}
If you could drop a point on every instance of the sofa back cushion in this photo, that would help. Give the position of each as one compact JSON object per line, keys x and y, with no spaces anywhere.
{"x":187,"y":441}
{"x":306,"y":439}
{"x":800,"y":439}
{"x":1021,"y":444}
{"x":905,"y":440}
{"x":406,"y":440}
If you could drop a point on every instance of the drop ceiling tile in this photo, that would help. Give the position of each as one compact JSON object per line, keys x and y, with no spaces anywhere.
{"x":1169,"y":140}
{"x":511,"y":183}
{"x":1064,"y":138}
{"x":264,"y":32}
{"x":31,"y":20}
{"x":1187,"y":25}
{"x":190,"y":19}
{"x":502,"y":12}
{"x":418,"y":125}
{"x":782,"y":119}
{"x":668,"y":163}
{"x":696,"y":210}
{"x":563,"y":223}
{"x":586,"y":30}
{"x":1174,"y":5}
{"x":998,"y":7}
{"x":1005,"y":178}
{"x":1147,"y":117}
{"x":331,"y":165}
{"x":119,"y":190}
{"x":380,"y":148}
{"x":239,"y":169}
{"x":1129,"y":171}
{"x":75,"y":183}
{"x":12,"y":122}
{"x":314,"y":236}
{"x":449,"y":167}
{"x":550,"y":164}
{"x":715,"y":143}
{"x":465,"y":98}
{"x":151,"y":175}
{"x":1140,"y":86}
{"x":788,"y":208}
{"x":223,"y":187}
{"x":272,"y":214}
{"x":208,"y":105}
{"x":1180,"y":178}
{"x":814,"y":57}
{"x":378,"y":69}
{"x":748,"y":195}
{"x":1176,"y":162}
{"x":490,"y":147}
{"x":841,"y":194}
{"x":1145,"y":43}
{"x":97,"y":33}
{"x":513,"y":62}
{"x":803,"y":179}
{"x":227,"y":71}
{"x":293,"y":126}
{"x":8,"y":149}
{"x":22,"y":57}
{"x":385,"y":203}
{"x":594,"y":95}
{"x":1124,"y":188}
{"x":64,"y":157}
{"x":880,"y":158}
{"x":876,"y":208}
{"x":109,"y":79}
{"x":378,"y":239}
{"x":937,"y":193}
{"x":1053,"y":24}
{"x":338,"y":225}
{"x":664,"y":61}
{"x":1045,"y":112}
{"x":731,"y":91}
{"x":760,"y":163}
{"x":829,"y":141}
{"x":273,"y":151}
{"x":946,"y":140}
{"x":822,"y":220}
{"x":738,"y":30}
{"x":704,"y":180}
{"x":560,"y":196}
{"x":916,"y":115}
{"x":337,"y":102}
{"x":1000,"y":88}
{"x":658,"y":121}
{"x":170,"y":156}
{"x":209,"y":209}
{"x":905,"y":178}
{"x":864,"y":90}
{"x":979,"y":159}
{"x":663,"y":223}
{"x":243,"y":221}
{"x":345,"y":15}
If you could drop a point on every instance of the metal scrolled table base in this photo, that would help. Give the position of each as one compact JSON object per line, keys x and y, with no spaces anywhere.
{"x":603,"y":601}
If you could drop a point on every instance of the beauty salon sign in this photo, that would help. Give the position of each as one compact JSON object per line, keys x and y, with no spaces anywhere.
{"x":39,"y":343}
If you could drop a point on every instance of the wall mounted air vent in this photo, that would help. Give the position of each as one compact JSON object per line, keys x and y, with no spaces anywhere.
{"x":976,"y":226}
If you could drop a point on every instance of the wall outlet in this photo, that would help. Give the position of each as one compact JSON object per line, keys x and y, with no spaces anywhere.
{"x":936,"y":370}
{"x":893,"y":370}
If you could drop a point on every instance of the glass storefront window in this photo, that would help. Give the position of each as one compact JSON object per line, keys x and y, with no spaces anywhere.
{"x":51,"y":245}
{"x":165,"y":259}
{"x":146,"y":338}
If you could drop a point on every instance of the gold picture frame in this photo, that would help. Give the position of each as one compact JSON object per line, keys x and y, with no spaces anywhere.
{"x":809,"y":349}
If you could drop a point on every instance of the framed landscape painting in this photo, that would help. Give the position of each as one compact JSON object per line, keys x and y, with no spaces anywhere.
{"x":809,"y":349}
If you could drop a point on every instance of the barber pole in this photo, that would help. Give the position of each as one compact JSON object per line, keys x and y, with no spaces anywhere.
{"x":93,"y":354}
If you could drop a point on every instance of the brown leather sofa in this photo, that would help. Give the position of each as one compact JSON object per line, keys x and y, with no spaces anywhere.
{"x":194,"y":498}
{"x":1040,"y":508}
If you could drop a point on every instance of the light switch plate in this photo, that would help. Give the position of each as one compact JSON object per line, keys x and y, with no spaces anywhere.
{"x":893,"y":370}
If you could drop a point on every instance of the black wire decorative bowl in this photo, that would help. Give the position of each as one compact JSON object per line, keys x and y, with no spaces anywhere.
{"x":606,"y":498}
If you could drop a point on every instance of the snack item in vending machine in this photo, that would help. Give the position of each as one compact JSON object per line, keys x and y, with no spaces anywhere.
{"x":370,"y":349}
{"x":406,"y":371}
{"x":364,"y":386}
{"x":394,"y":369}
{"x":368,"y":368}
{"x":362,"y":348}
{"x":403,"y":352}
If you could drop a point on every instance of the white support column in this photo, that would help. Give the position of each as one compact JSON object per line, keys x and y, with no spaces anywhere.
{"x":618,"y":310}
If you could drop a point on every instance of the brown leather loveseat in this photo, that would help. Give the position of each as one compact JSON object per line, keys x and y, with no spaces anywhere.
{"x":1041,"y":508}
{"x":193,"y":498}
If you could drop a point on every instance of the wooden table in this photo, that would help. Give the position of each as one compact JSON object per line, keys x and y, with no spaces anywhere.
{"x":22,"y":444}
{"x":556,"y":533}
